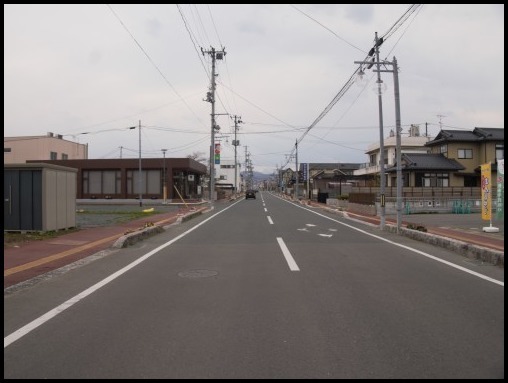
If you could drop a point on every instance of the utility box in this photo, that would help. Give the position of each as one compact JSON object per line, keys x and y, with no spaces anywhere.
{"x":39,"y":197}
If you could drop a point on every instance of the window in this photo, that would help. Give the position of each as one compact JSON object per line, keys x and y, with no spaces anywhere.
{"x":444,"y":150}
{"x":53,"y":155}
{"x":499,"y":151}
{"x":65,"y":156}
{"x":372,"y":160}
{"x":432,"y":180}
{"x":465,"y":153}
{"x":101,"y":182}
{"x":7,"y":150}
{"x":151,"y":182}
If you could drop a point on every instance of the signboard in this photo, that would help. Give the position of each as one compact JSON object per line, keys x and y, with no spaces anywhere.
{"x":486,"y":195}
{"x":500,"y":189}
{"x":217,"y":154}
{"x":305,"y":171}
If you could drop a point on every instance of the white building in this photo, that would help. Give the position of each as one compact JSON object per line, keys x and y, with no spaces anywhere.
{"x":412,"y":142}
{"x":225,"y":175}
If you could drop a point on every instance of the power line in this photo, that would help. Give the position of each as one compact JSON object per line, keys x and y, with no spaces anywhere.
{"x":328,"y":29}
{"x":350,"y":82}
{"x":153,"y":63}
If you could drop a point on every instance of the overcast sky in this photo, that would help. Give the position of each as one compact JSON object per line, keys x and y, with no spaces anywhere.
{"x":100,"y":69}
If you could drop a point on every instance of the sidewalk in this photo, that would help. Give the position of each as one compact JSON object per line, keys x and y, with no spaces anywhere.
{"x":461,"y":233}
{"x":39,"y":257}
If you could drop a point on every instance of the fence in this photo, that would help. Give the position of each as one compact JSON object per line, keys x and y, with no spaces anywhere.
{"x":413,"y":192}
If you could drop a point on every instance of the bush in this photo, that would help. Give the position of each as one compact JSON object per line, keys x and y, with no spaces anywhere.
{"x":414,"y":226}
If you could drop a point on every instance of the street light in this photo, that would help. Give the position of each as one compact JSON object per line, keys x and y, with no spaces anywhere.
{"x":139,"y":177}
{"x":164,"y":190}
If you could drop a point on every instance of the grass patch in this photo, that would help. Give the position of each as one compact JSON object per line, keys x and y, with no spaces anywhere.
{"x":17,"y":238}
{"x":13,"y":239}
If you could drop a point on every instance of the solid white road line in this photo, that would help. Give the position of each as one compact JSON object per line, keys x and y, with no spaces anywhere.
{"x":269,"y":219}
{"x":72,"y":301}
{"x":289,"y":259}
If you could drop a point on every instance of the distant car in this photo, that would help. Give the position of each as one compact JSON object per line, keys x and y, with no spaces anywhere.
{"x":250,"y":194}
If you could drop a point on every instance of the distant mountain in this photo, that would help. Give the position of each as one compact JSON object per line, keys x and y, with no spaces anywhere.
{"x":258,"y":176}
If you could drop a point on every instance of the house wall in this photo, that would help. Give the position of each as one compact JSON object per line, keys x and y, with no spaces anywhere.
{"x":22,"y":149}
{"x":469,"y":164}
{"x":225,"y":173}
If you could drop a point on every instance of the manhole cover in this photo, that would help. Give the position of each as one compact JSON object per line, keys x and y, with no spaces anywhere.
{"x":197,"y":273}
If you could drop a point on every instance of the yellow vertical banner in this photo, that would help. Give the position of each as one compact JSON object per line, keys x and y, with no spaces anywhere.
{"x":486,"y":195}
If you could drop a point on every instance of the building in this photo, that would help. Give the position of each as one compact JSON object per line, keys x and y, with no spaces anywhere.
{"x":331,"y":179}
{"x":18,"y":150}
{"x":471,"y":149}
{"x":428,"y":170}
{"x":225,"y":176}
{"x":413,"y":142}
{"x":120,"y":178}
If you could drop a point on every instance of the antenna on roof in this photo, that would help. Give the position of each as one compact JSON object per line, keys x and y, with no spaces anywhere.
{"x":440,"y":121}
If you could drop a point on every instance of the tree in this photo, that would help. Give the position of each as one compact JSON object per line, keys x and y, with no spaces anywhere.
{"x":199,"y":156}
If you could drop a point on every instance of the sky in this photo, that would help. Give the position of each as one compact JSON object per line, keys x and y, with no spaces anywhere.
{"x":89,"y":72}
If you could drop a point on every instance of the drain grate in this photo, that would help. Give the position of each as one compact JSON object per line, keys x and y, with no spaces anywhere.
{"x":197,"y":273}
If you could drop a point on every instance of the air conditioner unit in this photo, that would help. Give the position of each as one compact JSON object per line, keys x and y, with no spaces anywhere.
{"x":190,"y":177}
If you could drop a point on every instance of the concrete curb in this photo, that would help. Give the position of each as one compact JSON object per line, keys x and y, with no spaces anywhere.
{"x":468,"y":250}
{"x":140,"y":235}
{"x":132,"y":238}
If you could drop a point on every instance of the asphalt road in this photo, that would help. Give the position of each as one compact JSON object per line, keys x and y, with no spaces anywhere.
{"x":263,"y":288}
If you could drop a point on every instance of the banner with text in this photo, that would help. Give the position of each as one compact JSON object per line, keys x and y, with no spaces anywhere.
{"x":500,"y":189}
{"x":486,"y":195}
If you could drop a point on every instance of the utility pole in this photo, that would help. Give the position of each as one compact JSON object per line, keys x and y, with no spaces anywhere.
{"x":381,"y":138}
{"x":211,"y":98}
{"x":398,"y":127}
{"x":296,"y":167}
{"x":164,"y":189}
{"x":140,"y":189}
{"x":379,"y":82}
{"x":238,"y":120}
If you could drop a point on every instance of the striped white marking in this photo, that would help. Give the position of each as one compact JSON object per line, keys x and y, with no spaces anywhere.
{"x":289,"y":259}
{"x":484,"y":277}
{"x":269,"y":219}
